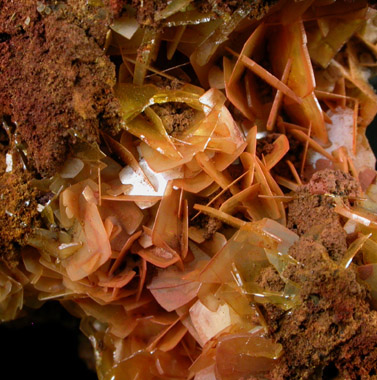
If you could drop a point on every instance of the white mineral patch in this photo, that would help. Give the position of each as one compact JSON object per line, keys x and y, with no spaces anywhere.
{"x":9,"y":162}
{"x":140,"y":186}
{"x":340,"y":133}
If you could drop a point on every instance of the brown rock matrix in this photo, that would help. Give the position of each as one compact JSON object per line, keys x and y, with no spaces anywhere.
{"x":332,"y":331}
{"x":55,"y":79}
{"x":175,"y":116}
{"x":18,"y":208}
{"x":324,"y":332}
{"x":313,"y":209}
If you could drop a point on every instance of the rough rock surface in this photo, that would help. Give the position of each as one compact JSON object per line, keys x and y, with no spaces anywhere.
{"x":55,"y":80}
{"x":332,"y":331}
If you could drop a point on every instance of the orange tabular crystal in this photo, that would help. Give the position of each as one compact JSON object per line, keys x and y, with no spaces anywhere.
{"x":133,"y":255}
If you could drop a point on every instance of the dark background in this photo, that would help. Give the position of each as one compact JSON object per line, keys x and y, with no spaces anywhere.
{"x":43,"y":346}
{"x":372,"y":129}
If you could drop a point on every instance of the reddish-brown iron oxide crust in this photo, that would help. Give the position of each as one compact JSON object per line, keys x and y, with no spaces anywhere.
{"x":334,"y":327}
{"x":18,"y":208}
{"x":55,"y":79}
{"x":55,"y":82}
